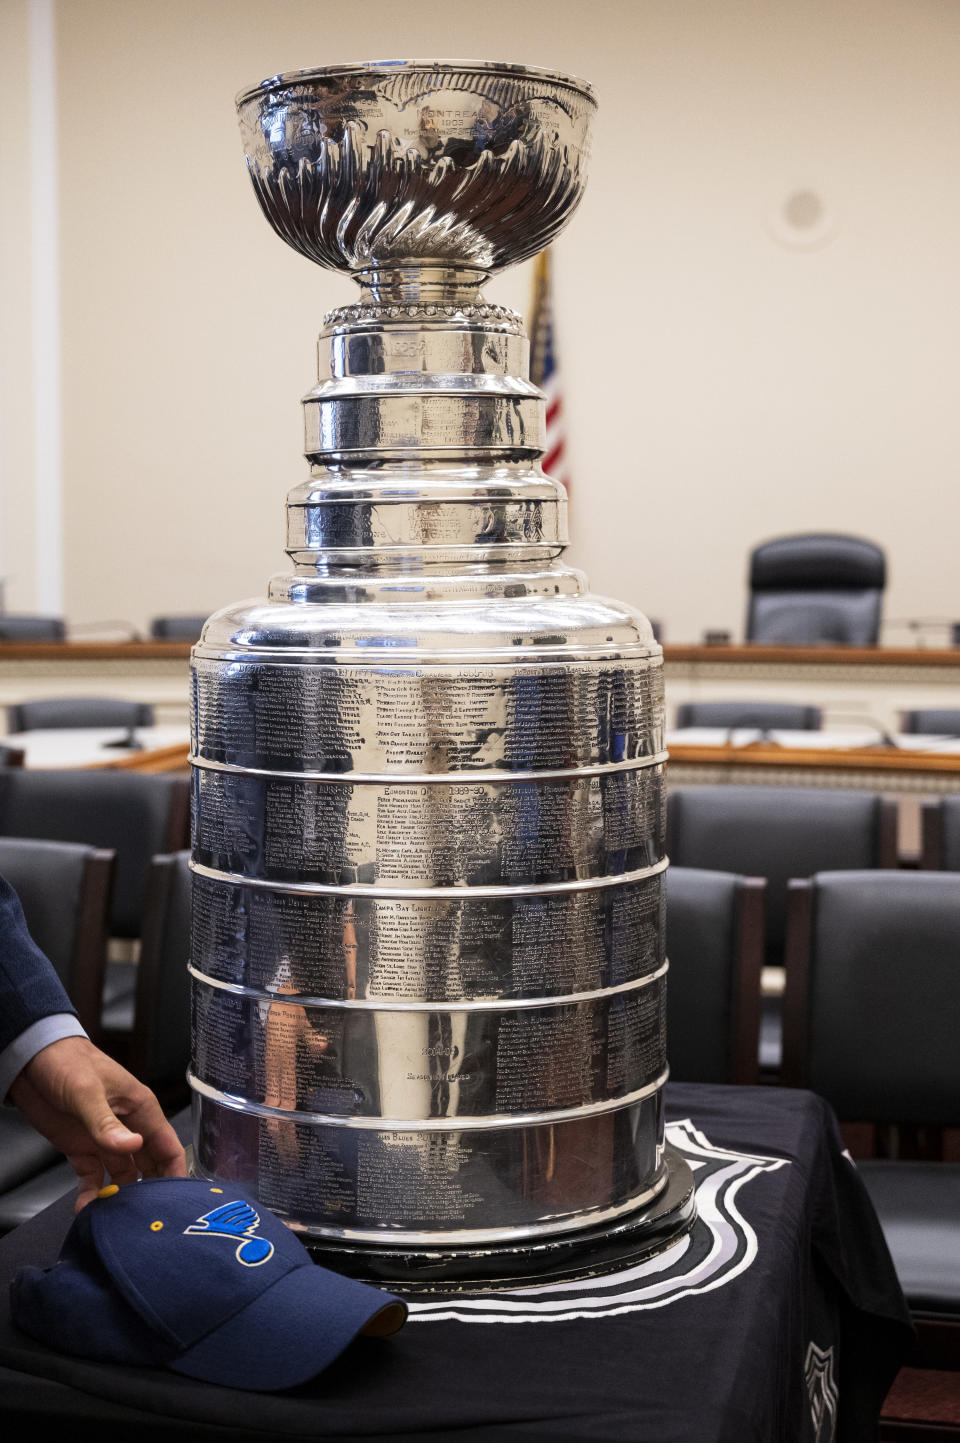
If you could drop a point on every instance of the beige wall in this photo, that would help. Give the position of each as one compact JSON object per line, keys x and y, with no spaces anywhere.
{"x":17,"y":457}
{"x":723,"y":384}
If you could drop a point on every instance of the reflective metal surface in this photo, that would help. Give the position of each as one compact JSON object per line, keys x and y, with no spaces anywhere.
{"x":518,"y":832}
{"x":628,"y":1240}
{"x":428,"y":970}
{"x":447,"y":946}
{"x":428,"y":1187}
{"x":455,"y":161}
{"x":416,"y":1063}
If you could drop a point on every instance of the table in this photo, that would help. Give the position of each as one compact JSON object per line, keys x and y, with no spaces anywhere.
{"x":157,"y":672}
{"x":863,"y":758}
{"x":777,"y":1318}
{"x":161,"y":749}
{"x":875,"y":681}
{"x":871,"y":683}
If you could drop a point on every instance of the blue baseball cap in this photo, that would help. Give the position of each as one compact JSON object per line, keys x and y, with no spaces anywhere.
{"x":182,"y":1274}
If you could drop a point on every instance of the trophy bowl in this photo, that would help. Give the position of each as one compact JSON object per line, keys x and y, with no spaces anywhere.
{"x":417,"y":163}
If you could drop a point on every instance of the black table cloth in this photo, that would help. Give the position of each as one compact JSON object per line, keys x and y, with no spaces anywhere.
{"x":778,"y":1318}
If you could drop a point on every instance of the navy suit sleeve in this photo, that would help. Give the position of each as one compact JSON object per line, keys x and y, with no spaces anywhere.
{"x":29,"y":987}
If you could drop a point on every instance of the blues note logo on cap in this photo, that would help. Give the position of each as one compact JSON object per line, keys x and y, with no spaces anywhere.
{"x":236,"y":1220}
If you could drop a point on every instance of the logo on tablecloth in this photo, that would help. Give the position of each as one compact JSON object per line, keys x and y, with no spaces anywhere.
{"x":720,"y":1246}
{"x":822,"y":1388}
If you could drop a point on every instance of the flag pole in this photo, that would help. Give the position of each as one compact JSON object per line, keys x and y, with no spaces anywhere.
{"x":544,"y":371}
{"x":539,"y":297}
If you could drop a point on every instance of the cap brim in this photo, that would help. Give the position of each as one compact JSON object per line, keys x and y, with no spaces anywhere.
{"x":290,"y":1332}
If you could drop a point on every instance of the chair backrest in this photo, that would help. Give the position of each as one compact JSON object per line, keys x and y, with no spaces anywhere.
{"x":766,"y":715}
{"x":32,"y":628}
{"x":928,"y":721}
{"x":64,"y":889}
{"x":715,"y":951}
{"x":941,"y":835}
{"x":816,"y":589}
{"x":177,"y":628}
{"x":873,"y":994}
{"x":160,"y":1045}
{"x":78,"y":711}
{"x":136,"y":814}
{"x":779,"y":833}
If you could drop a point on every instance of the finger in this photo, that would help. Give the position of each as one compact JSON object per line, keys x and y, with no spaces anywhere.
{"x":143,"y":1112}
{"x":165,"y":1156}
{"x":90,"y":1177}
{"x":102,"y":1123}
{"x":122,"y":1169}
{"x":162,"y":1152}
{"x":173,"y":1164}
{"x":157,"y":1148}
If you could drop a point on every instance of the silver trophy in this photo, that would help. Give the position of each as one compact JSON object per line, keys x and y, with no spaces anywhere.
{"x":428,"y":946}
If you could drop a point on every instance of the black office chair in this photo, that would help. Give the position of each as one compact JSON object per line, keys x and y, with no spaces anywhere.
{"x":715,"y":951}
{"x":940,"y":825}
{"x":137,"y":815}
{"x":779,"y":833}
{"x":65,"y":890}
{"x":177,"y":628}
{"x":32,"y":628}
{"x":65,"y":893}
{"x":765,"y":715}
{"x":870,"y":1022}
{"x":816,"y":590}
{"x":150,"y":1032}
{"x":927,"y":721}
{"x":78,"y":711}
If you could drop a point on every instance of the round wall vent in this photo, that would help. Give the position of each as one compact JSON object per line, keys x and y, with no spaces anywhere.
{"x":803,"y":220}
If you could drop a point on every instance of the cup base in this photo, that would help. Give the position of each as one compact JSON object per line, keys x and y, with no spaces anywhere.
{"x":591,"y":1252}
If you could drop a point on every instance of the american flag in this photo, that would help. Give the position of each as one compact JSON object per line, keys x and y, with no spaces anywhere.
{"x":544,"y":371}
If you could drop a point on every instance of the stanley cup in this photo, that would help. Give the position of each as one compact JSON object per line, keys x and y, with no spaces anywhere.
{"x":428,"y":959}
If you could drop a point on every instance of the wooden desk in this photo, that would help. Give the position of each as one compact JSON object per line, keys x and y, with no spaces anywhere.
{"x":877,"y":769}
{"x":162,"y":748}
{"x":105,"y":651}
{"x":150,"y":671}
{"x":748,"y":654}
{"x":152,"y":759}
{"x":865,"y":683}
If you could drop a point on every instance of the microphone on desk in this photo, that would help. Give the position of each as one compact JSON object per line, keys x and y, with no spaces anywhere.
{"x":764,"y":733}
{"x":918,"y":624}
{"x":889,"y":739}
{"x":129,"y":741}
{"x":884,"y":738}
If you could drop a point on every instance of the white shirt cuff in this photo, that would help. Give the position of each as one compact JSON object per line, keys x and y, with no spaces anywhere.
{"x":14,"y":1058}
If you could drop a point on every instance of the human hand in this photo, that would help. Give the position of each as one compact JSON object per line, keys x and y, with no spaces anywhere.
{"x":76,"y":1096}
